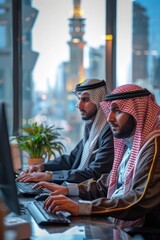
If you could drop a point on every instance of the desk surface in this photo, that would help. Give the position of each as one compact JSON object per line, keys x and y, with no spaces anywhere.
{"x":80,"y":228}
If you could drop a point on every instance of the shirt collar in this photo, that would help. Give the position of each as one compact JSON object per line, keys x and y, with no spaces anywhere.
{"x":129,"y":142}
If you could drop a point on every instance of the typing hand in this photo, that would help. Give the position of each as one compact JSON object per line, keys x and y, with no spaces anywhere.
{"x":61,"y":203}
{"x":35,"y":168}
{"x":55,"y":188}
{"x":34,"y":177}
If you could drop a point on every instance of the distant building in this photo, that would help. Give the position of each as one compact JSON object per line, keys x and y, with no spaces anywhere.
{"x":156,"y":72}
{"x":72,"y":72}
{"x":140,"y":42}
{"x":76,"y":46}
{"x":96,"y":62}
{"x":60,"y":92}
{"x":29,"y":57}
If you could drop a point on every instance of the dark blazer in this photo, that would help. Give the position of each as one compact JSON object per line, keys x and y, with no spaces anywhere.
{"x":64,"y":168}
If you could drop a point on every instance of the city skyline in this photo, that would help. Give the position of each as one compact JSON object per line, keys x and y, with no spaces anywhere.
{"x":53,"y":50}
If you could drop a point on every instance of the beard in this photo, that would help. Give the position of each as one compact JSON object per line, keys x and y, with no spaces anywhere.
{"x":127,"y":130}
{"x":90,"y":115}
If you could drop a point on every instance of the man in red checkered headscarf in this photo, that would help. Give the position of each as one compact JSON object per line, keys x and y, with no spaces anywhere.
{"x":130,"y":194}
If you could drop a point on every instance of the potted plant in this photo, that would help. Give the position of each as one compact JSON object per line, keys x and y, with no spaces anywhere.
{"x":39,"y":141}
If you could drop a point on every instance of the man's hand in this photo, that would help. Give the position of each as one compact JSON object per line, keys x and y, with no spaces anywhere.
{"x":35,"y":168}
{"x":34,"y":177}
{"x":61,"y":203}
{"x":55,"y":188}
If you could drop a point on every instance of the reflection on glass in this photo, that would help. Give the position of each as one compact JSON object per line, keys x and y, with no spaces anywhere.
{"x":146,"y":47}
{"x":63,"y":44}
{"x":6,"y":58}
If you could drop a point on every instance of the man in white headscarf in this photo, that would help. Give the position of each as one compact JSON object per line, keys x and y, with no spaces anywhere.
{"x":93,"y":155}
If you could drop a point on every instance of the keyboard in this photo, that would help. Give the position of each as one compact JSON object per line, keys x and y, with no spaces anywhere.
{"x":26,"y":188}
{"x":43,"y":217}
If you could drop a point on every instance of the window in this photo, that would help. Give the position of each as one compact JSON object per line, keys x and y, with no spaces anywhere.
{"x":146,"y":49}
{"x":138,"y":49}
{"x":6,"y":89}
{"x":3,"y":37}
{"x":63,"y":43}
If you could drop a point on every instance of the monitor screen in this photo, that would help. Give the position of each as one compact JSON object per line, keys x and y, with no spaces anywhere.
{"x":7,"y":178}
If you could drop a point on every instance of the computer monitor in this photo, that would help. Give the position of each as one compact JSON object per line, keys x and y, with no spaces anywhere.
{"x":7,"y":178}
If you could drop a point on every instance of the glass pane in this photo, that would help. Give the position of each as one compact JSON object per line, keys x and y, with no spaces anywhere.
{"x":138,"y":48}
{"x":6,"y":59}
{"x":146,"y":47}
{"x":3,"y":38}
{"x":63,"y":44}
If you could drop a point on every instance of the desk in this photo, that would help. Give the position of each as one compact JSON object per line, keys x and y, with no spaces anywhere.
{"x":80,"y":228}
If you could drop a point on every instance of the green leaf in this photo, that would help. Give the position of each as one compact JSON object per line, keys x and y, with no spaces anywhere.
{"x":39,"y":140}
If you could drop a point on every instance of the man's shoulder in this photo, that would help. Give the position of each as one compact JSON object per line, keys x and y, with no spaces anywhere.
{"x":152,"y":136}
{"x":106,"y":132}
{"x":150,"y":143}
{"x":106,"y":129}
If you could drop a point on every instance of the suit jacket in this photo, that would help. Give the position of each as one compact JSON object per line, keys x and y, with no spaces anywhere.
{"x":64,"y":168}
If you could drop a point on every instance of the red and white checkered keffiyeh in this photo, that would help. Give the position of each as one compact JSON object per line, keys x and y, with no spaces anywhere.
{"x":146,"y":113}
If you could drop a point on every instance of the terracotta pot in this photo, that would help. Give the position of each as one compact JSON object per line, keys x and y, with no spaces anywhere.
{"x":33,"y":161}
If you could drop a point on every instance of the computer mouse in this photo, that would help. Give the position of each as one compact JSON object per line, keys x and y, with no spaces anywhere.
{"x":42,"y":196}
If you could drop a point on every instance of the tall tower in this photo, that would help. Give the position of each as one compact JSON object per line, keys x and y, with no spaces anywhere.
{"x":76,"y":44}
